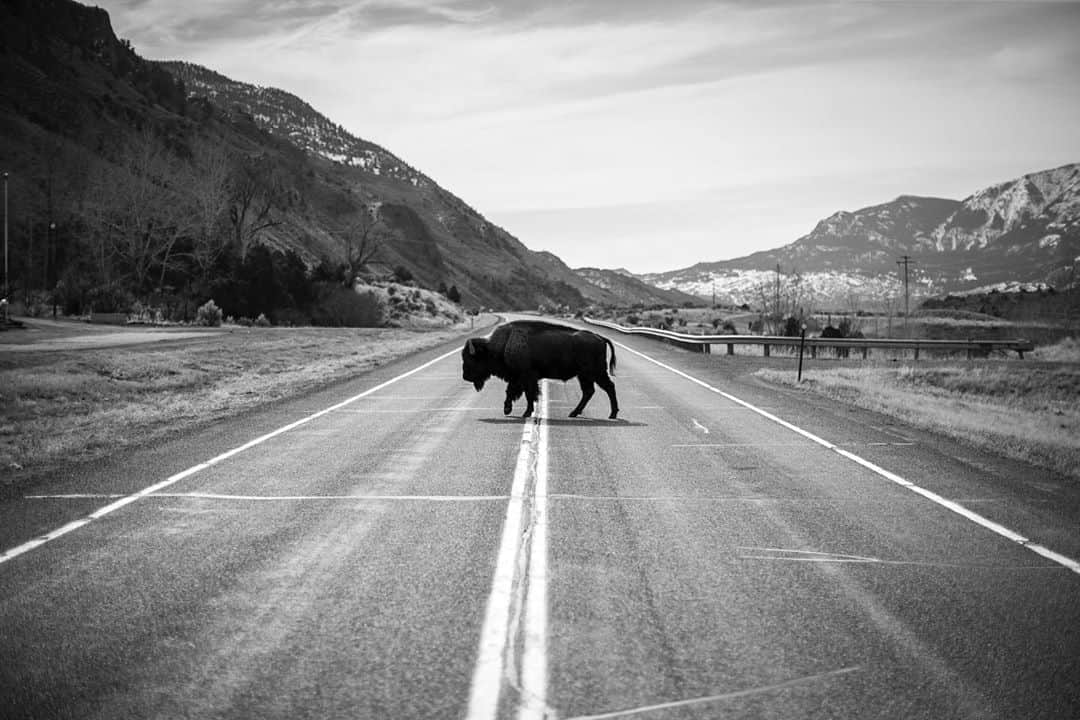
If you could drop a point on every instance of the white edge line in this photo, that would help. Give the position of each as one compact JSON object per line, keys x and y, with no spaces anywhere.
{"x":928,"y":494}
{"x":127,"y":500}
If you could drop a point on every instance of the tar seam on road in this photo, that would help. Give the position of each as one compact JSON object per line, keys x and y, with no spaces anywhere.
{"x":877,"y":469}
{"x":518,"y":587}
{"x":128,"y":499}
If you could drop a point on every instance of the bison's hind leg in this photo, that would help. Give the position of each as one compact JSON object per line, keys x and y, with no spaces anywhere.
{"x":607,"y":385}
{"x":587,"y":390}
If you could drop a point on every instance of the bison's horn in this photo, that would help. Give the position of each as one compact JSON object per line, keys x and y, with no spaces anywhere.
{"x":469,"y":345}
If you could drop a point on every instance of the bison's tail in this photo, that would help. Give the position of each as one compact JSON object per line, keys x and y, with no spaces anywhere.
{"x":611,"y":365}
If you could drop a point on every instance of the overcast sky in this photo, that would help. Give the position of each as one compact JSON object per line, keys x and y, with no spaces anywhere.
{"x":653,"y":134}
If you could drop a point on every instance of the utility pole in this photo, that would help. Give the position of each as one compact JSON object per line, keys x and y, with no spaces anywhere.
{"x":776,"y":303}
{"x":5,"y":281}
{"x":905,"y":260}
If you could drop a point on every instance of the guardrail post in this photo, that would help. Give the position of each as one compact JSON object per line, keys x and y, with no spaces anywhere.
{"x":766,"y":346}
{"x":731,"y":348}
{"x":916,"y":351}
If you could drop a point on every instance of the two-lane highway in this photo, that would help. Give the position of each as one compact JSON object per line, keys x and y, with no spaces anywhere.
{"x":396,"y":548}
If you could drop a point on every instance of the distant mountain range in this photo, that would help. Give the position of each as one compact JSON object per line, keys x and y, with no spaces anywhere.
{"x":1021,"y":232}
{"x":72,"y":94}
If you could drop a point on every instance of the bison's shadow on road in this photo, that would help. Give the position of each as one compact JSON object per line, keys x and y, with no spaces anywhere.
{"x":568,"y":422}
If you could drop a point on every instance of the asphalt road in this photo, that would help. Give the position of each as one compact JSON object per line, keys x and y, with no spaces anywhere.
{"x":396,"y":548}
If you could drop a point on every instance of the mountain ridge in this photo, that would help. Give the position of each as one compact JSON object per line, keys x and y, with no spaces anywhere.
{"x":1024,"y":232}
{"x":76,"y":105}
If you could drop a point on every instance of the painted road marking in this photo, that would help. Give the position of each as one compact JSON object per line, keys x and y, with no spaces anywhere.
{"x":534,"y":653}
{"x":951,"y":505}
{"x":786,"y":444}
{"x":518,"y":589}
{"x":782,"y":554}
{"x":173,"y":479}
{"x":282,"y":498}
{"x":649,"y":709}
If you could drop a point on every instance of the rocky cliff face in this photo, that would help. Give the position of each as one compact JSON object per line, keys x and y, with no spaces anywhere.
{"x":74,"y":97}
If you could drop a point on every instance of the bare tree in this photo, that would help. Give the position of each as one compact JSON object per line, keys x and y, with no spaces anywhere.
{"x":137,"y":210}
{"x":207,"y":179}
{"x":254,"y":190}
{"x":363,"y":237}
{"x":785,"y":296}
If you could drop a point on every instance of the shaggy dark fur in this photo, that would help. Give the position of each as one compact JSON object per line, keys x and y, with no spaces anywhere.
{"x":525,"y":351}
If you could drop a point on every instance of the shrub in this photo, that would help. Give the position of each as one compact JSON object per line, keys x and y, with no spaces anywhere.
{"x":341,"y":307}
{"x":208,"y":315}
{"x":109,"y":299}
{"x":141,"y":314}
{"x":262,"y":321}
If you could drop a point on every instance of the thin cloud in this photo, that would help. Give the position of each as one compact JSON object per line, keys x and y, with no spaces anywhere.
{"x":527,"y":108}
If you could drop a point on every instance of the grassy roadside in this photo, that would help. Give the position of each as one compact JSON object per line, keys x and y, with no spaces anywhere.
{"x":1026,"y":410}
{"x":72,"y":405}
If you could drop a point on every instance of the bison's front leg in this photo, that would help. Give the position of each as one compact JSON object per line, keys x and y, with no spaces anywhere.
{"x":532,"y":393}
{"x":513,"y":392}
{"x":508,"y":403}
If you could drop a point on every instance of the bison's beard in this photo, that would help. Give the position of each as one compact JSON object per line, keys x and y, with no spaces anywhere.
{"x":478,"y":384}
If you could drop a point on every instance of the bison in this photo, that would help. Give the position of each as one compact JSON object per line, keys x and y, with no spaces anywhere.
{"x":524,"y":351}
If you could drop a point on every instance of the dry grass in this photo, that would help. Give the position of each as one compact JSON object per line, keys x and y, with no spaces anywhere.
{"x":1025,"y":410}
{"x":78,"y":404}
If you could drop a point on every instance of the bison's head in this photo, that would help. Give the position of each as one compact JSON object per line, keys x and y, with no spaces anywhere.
{"x":475,"y":366}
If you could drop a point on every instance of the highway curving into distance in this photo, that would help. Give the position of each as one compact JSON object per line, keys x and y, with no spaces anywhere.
{"x":396,"y":548}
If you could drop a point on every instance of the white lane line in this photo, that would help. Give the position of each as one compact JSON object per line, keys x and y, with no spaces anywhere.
{"x":280,"y":498}
{"x":825,"y":557}
{"x":534,"y":652}
{"x":490,"y":662}
{"x":378,"y":498}
{"x":172,"y":479}
{"x":782,"y":445}
{"x":400,"y":411}
{"x":518,"y":587}
{"x":893,"y":477}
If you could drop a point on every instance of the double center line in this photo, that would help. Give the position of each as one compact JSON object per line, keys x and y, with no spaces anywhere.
{"x":517,"y":605}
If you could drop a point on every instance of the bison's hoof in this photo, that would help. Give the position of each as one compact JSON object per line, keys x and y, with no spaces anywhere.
{"x":575,"y":413}
{"x":528,"y":413}
{"x":507,"y":409}
{"x":612,"y":416}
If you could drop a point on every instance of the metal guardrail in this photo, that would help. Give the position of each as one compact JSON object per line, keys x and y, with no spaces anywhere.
{"x":704,"y":343}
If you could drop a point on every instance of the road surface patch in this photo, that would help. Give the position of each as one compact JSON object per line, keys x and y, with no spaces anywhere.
{"x":173,"y":479}
{"x":933,"y":497}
